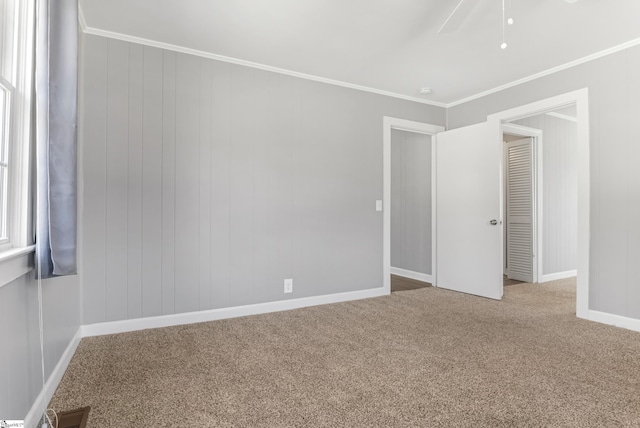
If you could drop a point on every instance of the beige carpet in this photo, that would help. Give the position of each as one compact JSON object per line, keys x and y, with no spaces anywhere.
{"x":422,"y":358}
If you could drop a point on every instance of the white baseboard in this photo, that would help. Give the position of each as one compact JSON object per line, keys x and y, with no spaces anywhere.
{"x":35,"y":412}
{"x":411,"y":274}
{"x":611,"y":319}
{"x":558,"y":275}
{"x":123,"y":326}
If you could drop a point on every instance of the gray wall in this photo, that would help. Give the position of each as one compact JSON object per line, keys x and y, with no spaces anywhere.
{"x":559,"y":192}
{"x":206,"y":183}
{"x":411,"y":201}
{"x":614,"y":102}
{"x":20,"y":366}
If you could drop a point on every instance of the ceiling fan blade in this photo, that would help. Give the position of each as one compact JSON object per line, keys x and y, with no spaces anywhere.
{"x":457,"y":16}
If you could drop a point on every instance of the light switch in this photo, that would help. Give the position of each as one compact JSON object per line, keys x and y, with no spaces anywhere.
{"x":378,"y":205}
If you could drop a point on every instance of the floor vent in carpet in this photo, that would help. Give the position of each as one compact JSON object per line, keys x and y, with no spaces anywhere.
{"x":73,"y":418}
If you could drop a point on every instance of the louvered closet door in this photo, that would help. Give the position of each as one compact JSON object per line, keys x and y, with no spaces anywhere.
{"x":520,"y":210}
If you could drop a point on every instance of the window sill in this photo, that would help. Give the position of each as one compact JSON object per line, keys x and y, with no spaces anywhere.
{"x":15,"y":263}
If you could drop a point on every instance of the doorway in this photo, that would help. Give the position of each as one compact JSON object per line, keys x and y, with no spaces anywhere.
{"x":554,"y":135}
{"x":411,"y":200}
{"x":579,"y":99}
{"x":469,"y":200}
{"x":413,"y":216}
{"x":411,"y":203}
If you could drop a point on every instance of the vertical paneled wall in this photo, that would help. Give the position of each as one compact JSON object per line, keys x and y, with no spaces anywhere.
{"x":559,"y":192}
{"x":206,"y":184}
{"x":411,"y":201}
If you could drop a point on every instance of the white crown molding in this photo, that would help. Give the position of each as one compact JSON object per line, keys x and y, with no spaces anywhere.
{"x":203,"y":54}
{"x":609,"y":51}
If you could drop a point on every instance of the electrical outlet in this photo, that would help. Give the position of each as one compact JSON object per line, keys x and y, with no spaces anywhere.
{"x":288,"y":285}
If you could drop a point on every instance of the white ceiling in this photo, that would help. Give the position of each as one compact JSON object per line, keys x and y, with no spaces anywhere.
{"x":387,"y":45}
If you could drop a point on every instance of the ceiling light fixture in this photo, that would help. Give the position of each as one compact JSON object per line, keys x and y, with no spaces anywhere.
{"x":504,"y":38}
{"x":463,"y":9}
{"x":425,"y":91}
{"x":509,"y":22}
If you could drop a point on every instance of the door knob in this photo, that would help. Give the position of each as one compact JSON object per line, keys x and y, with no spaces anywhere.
{"x":493,"y":222}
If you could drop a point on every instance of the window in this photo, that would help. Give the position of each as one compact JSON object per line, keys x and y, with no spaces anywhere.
{"x":8,"y":63}
{"x":16,"y":81}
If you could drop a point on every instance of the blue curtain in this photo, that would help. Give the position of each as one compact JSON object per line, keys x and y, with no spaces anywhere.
{"x":56,"y":136}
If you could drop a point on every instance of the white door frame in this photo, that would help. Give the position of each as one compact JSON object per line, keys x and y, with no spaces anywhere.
{"x":537,"y":136}
{"x":390,"y":123}
{"x":581,"y":99}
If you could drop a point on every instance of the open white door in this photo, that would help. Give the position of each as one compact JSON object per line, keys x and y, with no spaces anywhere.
{"x":468,"y":210}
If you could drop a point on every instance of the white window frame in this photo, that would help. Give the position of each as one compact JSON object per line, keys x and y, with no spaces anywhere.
{"x":15,"y":252}
{"x":5,"y":130}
